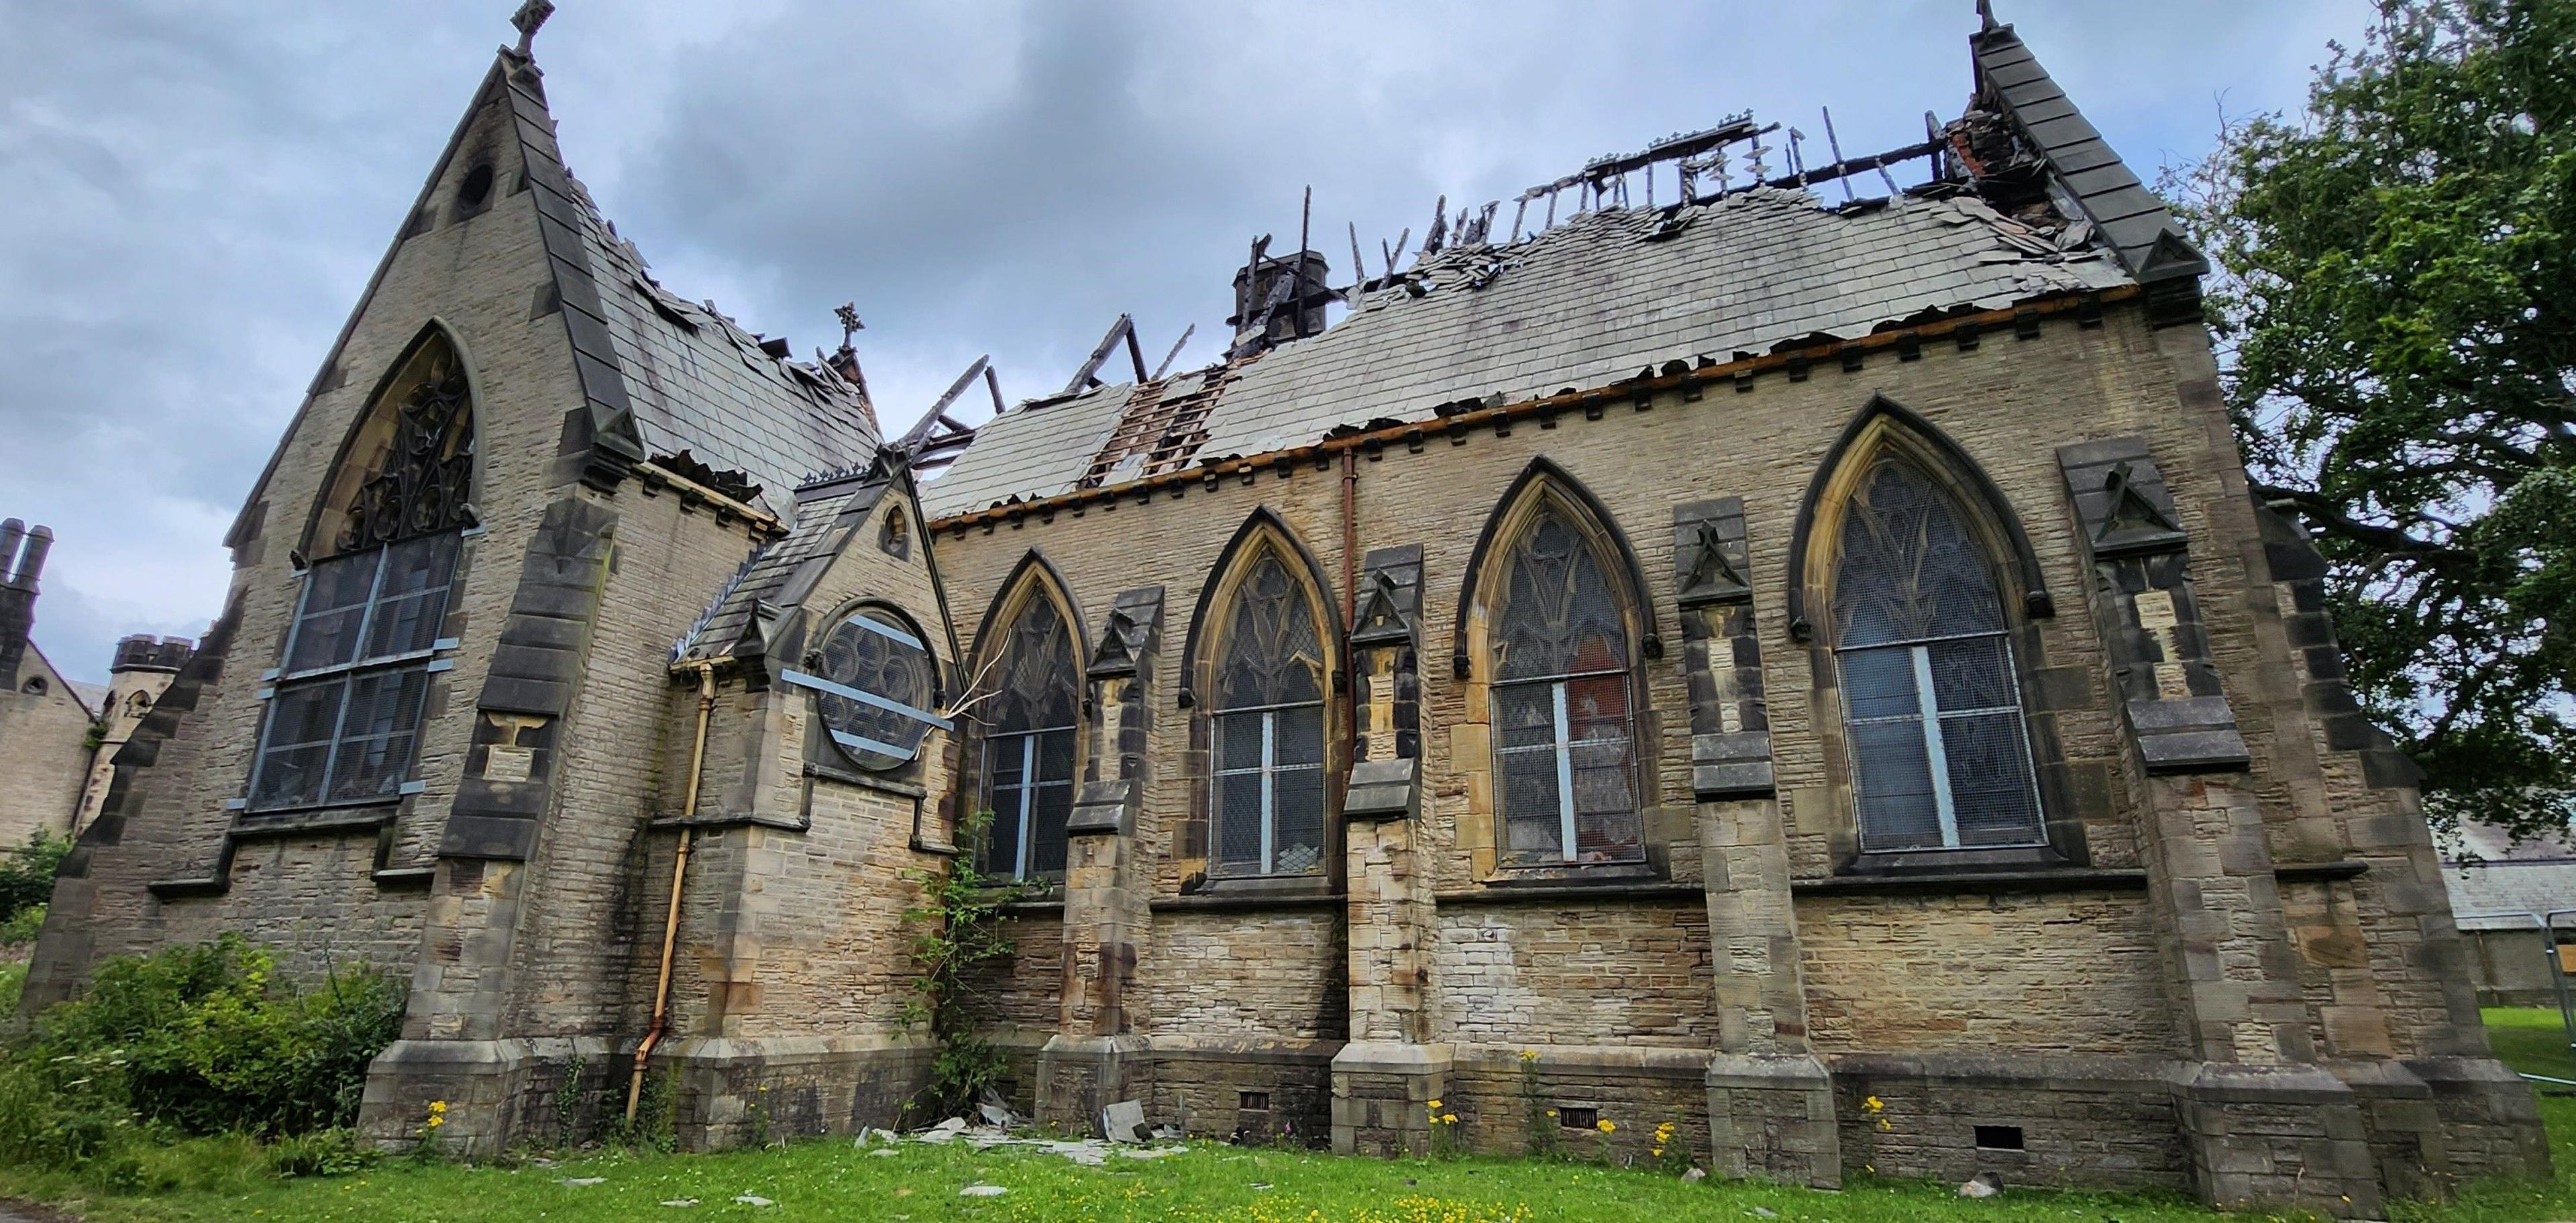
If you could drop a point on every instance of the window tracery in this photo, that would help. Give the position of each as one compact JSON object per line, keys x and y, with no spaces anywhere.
{"x":1931,"y":698}
{"x":1268,"y":727}
{"x":343,"y":722}
{"x":1032,"y":714}
{"x":1564,"y":720}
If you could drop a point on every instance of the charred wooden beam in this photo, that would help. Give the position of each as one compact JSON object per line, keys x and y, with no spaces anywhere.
{"x":1123,"y":329}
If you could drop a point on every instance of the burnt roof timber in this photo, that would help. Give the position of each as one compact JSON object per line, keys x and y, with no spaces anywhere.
{"x":937,"y":414}
{"x":2069,"y":302}
{"x":1124,"y":328}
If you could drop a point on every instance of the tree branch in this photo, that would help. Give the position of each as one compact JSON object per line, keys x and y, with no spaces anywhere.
{"x":2325,"y":513}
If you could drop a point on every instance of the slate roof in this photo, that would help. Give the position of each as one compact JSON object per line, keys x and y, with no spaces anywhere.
{"x":777,"y":574}
{"x":1588,"y":302}
{"x":699,"y":382}
{"x":2132,"y":220}
{"x":2498,"y":881}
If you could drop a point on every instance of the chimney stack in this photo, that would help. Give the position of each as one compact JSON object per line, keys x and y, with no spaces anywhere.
{"x":1278,"y":299}
{"x":22,"y":559}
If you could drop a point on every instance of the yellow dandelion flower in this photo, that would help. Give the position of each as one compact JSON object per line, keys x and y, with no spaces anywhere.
{"x":1605,"y":1125}
{"x":1551,"y":1112}
{"x":1529,"y":1055}
{"x":1451,"y":1118}
{"x":1435,"y":1104}
{"x":1872,"y":1104}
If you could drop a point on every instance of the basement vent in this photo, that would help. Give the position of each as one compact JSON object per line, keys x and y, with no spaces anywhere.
{"x":1999,"y":1138}
{"x":1254,"y":1101}
{"x":1578,"y":1116}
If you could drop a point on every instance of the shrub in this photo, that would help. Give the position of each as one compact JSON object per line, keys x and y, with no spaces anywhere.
{"x":21,"y":928}
{"x":321,"y":1153}
{"x":196,"y":1040}
{"x":27,"y":873}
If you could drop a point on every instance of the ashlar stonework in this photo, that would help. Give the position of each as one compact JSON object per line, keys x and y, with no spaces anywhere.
{"x":1810,"y":673}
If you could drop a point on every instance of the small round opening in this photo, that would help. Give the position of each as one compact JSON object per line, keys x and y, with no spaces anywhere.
{"x":477,"y":186}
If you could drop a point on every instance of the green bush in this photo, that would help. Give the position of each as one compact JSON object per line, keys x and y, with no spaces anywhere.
{"x":191,"y":1041}
{"x":21,"y":928}
{"x":27,"y":872}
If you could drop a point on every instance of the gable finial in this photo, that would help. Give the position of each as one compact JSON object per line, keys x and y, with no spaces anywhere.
{"x":532,"y":14}
{"x":1986,"y":22}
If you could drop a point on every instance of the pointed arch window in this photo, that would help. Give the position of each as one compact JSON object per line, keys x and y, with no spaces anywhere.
{"x":1268,"y":731}
{"x":1563,"y":699}
{"x":1931,"y":698}
{"x":343,"y":721}
{"x":1031,"y":718}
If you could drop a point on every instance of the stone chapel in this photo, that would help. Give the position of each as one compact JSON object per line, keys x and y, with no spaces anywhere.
{"x":1743,"y":643}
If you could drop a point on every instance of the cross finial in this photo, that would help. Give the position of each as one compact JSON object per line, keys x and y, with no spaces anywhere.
{"x":848,"y":313}
{"x":531,"y":15}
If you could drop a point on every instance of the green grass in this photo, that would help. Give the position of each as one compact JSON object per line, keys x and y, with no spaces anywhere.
{"x":216,"y":1179}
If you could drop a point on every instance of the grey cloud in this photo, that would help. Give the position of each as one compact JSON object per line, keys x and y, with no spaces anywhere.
{"x":199,"y":191}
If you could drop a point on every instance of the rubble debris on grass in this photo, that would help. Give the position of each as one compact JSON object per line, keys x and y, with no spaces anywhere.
{"x":1089,"y":1152}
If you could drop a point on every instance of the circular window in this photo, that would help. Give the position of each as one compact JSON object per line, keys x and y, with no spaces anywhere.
{"x":476,"y":187}
{"x":885,"y":675}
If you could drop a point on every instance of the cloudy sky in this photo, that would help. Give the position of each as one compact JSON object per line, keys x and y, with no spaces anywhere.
{"x":197,"y":191}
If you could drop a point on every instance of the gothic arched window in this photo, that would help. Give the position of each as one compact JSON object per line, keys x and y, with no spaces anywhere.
{"x":344,"y":716}
{"x":1267,"y":796}
{"x":1030,"y":715}
{"x":1931,"y":700}
{"x":1564,"y":727}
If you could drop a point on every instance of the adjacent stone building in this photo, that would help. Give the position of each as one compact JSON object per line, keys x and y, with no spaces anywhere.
{"x":1802,"y":666}
{"x":57,"y":735}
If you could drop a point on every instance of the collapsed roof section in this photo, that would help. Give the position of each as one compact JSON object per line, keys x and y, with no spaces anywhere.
{"x":2032,"y":204}
{"x":740,"y":622}
{"x":701,"y":384}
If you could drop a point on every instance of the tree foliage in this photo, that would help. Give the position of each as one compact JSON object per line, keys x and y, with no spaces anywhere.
{"x":27,"y":872}
{"x":2396,"y":306}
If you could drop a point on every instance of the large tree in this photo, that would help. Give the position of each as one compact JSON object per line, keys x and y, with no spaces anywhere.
{"x":2396,"y":305}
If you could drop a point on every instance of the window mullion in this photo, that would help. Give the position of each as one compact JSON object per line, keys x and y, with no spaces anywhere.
{"x":1269,"y":781}
{"x":339,"y":735}
{"x":1028,"y":807}
{"x":1564,"y":772}
{"x":1936,"y":758}
{"x":375,"y":593}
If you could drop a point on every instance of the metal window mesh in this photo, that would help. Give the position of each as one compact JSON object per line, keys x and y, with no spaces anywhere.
{"x":377,"y":729}
{"x":302,"y":719}
{"x":1913,"y":588}
{"x":1272,"y":653}
{"x":334,"y":611}
{"x":1560,"y":613}
{"x":1990,"y":779}
{"x":858,"y":657}
{"x":1908,"y":568}
{"x":1562,"y":623}
{"x":1297,"y":790}
{"x":1034,"y":682}
{"x":411,"y":601}
{"x":1052,"y":804}
{"x":1004,"y":781}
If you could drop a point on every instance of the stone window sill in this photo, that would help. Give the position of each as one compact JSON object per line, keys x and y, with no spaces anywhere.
{"x":1574,"y":875}
{"x":1603,"y":892}
{"x":291,"y":821}
{"x":1989,"y":879}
